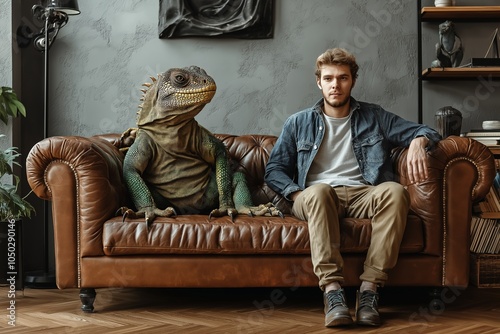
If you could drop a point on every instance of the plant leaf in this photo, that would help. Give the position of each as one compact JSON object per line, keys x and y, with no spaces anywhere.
{"x":10,"y":105}
{"x":20,"y":107}
{"x":13,"y":109}
{"x":7,"y":108}
{"x":3,"y":117}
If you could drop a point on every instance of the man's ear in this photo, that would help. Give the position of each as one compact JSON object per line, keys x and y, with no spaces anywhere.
{"x":318,"y":83}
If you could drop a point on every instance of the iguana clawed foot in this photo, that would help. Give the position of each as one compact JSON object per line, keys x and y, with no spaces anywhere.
{"x":261,"y":210}
{"x":127,"y":139}
{"x":149,"y":213}
{"x":223,"y":211}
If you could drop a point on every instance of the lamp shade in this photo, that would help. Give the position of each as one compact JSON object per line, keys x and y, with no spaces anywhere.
{"x":69,"y":7}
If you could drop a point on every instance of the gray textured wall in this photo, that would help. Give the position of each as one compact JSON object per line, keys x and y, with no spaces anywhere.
{"x":5,"y":63}
{"x":5,"y":41}
{"x":103,"y":55}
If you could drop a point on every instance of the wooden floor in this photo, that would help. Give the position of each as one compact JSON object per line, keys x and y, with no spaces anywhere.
{"x":231,"y":311}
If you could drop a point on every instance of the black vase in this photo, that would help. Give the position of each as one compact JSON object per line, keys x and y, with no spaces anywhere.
{"x":448,"y":121}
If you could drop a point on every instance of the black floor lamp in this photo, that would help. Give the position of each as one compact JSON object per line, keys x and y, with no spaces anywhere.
{"x":54,"y":15}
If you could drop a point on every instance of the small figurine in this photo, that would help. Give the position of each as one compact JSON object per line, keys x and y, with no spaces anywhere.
{"x":449,"y":50}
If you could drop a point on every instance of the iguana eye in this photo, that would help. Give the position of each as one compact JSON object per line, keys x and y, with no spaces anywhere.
{"x":179,"y":79}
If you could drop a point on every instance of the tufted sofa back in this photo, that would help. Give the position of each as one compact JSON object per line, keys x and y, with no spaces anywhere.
{"x":250,"y":154}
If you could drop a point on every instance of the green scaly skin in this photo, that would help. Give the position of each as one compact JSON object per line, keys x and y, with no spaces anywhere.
{"x":176,"y":166}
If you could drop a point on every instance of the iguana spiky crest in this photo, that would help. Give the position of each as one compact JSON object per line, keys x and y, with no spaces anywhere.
{"x":176,"y":95}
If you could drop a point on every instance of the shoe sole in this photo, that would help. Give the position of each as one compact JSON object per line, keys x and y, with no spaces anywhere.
{"x":345,"y":321}
{"x":368,"y":323}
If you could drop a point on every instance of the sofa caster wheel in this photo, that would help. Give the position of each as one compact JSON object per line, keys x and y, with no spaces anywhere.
{"x":87,"y":296}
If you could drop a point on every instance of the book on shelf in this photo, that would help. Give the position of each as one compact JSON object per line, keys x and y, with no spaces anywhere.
{"x":477,"y":232}
{"x":494,"y":148}
{"x":497,"y":243}
{"x":485,"y":235}
{"x":483,"y":133}
{"x":490,"y":142}
{"x":489,"y":207}
{"x":492,"y":197}
{"x":490,"y":138}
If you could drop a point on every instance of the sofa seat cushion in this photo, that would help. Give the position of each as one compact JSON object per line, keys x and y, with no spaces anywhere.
{"x":196,"y":234}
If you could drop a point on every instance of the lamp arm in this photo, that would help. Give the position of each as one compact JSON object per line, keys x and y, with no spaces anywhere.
{"x":39,"y":39}
{"x":53,"y":21}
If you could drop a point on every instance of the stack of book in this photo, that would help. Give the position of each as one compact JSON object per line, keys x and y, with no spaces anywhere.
{"x":490,"y":138}
{"x":485,"y":227}
{"x":490,"y":206}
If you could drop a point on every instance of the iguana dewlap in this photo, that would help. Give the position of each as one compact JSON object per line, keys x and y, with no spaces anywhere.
{"x":176,"y":166}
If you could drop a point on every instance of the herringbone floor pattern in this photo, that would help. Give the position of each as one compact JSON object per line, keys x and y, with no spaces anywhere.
{"x":231,"y":311}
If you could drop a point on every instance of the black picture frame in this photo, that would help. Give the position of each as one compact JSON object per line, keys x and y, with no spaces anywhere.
{"x":247,"y":19}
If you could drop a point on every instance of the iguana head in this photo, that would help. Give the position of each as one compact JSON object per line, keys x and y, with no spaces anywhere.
{"x":176,"y":95}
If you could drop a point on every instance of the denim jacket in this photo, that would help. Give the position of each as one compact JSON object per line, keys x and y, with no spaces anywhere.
{"x":375,"y":132}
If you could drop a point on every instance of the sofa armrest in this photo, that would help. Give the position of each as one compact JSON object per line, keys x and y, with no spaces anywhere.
{"x":83,"y":179}
{"x":461,"y":172}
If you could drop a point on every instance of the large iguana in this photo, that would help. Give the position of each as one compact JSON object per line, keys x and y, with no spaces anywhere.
{"x":176,"y":166}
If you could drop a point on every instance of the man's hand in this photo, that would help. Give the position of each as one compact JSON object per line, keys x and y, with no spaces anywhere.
{"x":417,"y":160}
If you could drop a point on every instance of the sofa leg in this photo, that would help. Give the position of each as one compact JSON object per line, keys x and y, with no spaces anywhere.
{"x":87,"y":296}
{"x":436,"y":303}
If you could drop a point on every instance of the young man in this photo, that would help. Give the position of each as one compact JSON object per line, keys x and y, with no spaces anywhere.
{"x":333,"y":161}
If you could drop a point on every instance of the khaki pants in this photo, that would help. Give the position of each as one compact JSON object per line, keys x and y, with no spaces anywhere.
{"x":322,"y":206}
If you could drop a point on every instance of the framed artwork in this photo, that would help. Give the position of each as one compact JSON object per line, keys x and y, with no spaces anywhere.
{"x":251,"y":19}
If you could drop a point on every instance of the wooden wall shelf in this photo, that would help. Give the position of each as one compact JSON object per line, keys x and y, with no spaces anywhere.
{"x":461,"y":13}
{"x":460,"y":72}
{"x":434,"y":15}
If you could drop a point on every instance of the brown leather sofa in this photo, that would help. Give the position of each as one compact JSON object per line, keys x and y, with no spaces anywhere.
{"x":94,"y":248}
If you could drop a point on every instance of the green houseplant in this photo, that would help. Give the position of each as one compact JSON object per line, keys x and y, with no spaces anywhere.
{"x":10,"y":105}
{"x":12,"y":205}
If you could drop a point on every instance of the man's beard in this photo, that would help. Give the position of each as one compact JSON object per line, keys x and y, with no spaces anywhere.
{"x":337,"y":104}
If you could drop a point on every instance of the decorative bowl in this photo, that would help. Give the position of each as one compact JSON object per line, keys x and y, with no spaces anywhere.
{"x":491,"y":125}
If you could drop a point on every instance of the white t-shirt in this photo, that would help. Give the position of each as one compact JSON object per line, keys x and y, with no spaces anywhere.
{"x":335,"y":163}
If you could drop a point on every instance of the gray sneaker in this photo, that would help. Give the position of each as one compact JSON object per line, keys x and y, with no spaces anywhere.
{"x":336,"y":310}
